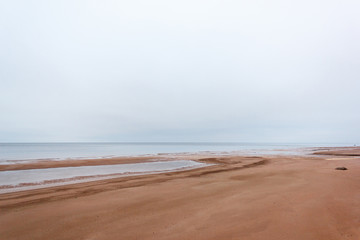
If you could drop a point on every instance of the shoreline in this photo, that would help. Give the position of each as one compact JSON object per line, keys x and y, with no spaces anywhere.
{"x":332,"y":153}
{"x":83,"y":179}
{"x":239,"y":197}
{"x":81,"y":161}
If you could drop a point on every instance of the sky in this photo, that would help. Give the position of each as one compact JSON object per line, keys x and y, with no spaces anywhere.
{"x":190,"y":70}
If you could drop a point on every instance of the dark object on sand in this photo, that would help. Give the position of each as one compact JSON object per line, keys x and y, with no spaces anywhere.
{"x":341,"y":168}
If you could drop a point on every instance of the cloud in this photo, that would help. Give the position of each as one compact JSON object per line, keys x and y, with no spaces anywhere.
{"x":190,"y":70}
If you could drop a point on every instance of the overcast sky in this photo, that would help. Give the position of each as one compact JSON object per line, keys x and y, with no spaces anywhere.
{"x":189,"y":70}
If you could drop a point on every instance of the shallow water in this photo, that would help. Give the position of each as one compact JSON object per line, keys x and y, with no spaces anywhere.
{"x":48,"y":174}
{"x":11,"y":152}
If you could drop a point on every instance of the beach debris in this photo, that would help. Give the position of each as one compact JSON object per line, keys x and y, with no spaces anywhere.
{"x":341,"y":168}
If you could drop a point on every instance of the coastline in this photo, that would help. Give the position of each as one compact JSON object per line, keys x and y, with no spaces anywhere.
{"x":16,"y":175}
{"x":239,"y":197}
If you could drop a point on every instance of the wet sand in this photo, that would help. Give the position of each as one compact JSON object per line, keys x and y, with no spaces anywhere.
{"x":264,"y":197}
{"x":24,"y":165}
{"x":339,"y":151}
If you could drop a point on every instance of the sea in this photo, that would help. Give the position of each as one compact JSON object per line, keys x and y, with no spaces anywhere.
{"x":13,"y":152}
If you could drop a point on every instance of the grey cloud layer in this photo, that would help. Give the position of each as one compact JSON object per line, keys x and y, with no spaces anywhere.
{"x":179,"y":71}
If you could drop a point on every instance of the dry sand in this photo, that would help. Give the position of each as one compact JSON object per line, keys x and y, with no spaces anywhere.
{"x":269,"y":198}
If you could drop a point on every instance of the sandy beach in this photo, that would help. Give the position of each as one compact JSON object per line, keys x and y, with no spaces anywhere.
{"x":179,"y":120}
{"x":239,"y":197}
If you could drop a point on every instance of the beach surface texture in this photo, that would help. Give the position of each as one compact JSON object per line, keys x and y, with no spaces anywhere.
{"x":265,"y":197}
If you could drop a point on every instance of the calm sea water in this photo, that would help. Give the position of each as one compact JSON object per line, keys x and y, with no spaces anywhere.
{"x":58,"y":151}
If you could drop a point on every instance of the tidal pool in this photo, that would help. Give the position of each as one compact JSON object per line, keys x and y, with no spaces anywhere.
{"x":13,"y":178}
